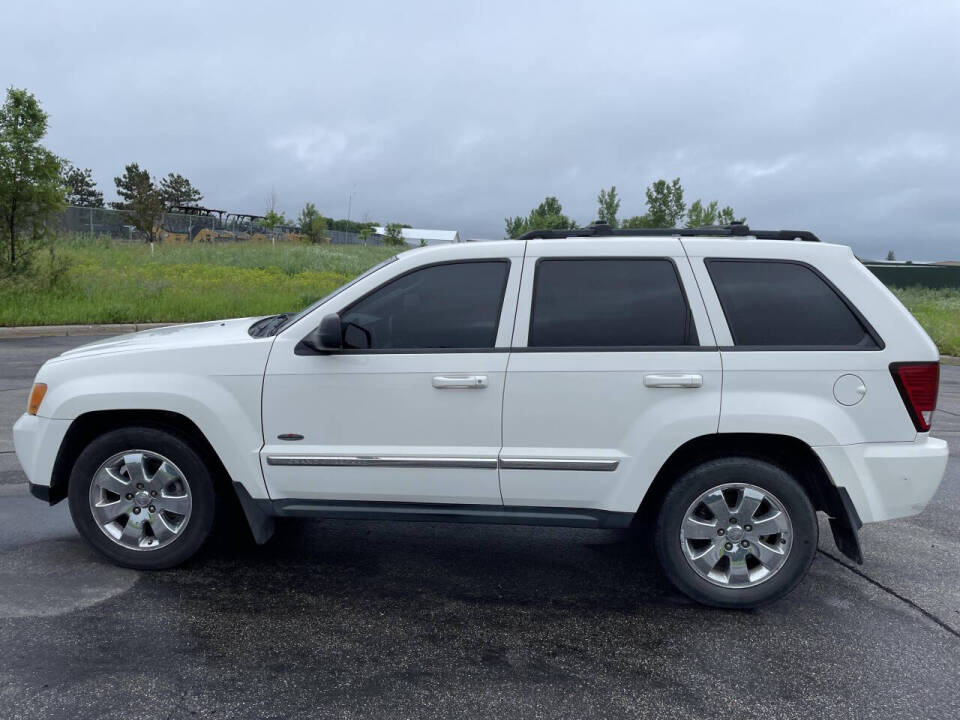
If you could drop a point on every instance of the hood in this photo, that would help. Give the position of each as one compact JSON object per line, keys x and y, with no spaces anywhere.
{"x":215,"y":332}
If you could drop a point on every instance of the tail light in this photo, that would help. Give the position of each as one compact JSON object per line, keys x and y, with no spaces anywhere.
{"x":918,"y":383}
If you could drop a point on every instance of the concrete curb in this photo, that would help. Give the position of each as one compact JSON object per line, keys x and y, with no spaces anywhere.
{"x":32,"y":331}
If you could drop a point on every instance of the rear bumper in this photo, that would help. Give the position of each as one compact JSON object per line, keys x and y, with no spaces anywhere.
{"x":36,"y":441}
{"x":887,"y":480}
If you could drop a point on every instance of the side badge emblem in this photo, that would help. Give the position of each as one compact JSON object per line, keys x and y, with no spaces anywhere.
{"x":290,"y":436}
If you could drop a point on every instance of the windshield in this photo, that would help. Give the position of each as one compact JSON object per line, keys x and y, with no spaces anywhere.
{"x":310,"y":308}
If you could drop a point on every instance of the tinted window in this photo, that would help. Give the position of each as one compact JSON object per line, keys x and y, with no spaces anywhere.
{"x":780,"y":303}
{"x":443,"y":306}
{"x":609,"y":303}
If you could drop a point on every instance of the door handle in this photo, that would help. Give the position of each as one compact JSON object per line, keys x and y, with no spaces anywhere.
{"x":460,"y":382}
{"x":674,"y":380}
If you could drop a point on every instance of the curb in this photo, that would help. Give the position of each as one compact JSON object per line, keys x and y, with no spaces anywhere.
{"x":33,"y":331}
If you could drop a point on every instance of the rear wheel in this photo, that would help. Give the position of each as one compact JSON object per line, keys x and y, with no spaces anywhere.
{"x":143,"y":497}
{"x":736,"y":532}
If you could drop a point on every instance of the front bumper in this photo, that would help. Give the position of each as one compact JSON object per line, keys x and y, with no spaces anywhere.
{"x":887,"y":480}
{"x":37,"y":441}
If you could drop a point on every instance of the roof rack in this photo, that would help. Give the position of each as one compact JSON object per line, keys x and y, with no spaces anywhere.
{"x":731,"y":230}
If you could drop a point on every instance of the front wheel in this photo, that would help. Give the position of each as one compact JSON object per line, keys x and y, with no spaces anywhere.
{"x":143,"y":497}
{"x":736,"y":532}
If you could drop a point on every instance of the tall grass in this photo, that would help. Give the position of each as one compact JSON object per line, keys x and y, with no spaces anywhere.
{"x":939,"y":313}
{"x":108,"y":282}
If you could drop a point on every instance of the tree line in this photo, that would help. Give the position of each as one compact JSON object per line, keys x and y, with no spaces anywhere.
{"x":36,"y":184}
{"x":666,"y":208}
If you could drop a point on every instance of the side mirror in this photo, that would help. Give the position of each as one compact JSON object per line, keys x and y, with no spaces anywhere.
{"x":327,"y":337}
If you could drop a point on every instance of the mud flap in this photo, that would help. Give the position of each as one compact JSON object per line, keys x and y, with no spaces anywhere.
{"x":845,"y":526}
{"x":260,"y":521}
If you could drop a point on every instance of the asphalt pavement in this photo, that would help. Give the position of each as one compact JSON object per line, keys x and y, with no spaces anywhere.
{"x":367,"y":619}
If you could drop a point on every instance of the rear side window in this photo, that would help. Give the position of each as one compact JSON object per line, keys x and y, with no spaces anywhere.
{"x":606,"y":303}
{"x":773,"y":303}
{"x":449,"y":306}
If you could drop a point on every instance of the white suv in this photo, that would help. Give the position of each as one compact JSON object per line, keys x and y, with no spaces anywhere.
{"x":723,"y":383}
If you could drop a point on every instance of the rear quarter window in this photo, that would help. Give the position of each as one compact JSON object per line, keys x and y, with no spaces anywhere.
{"x":776,"y":303}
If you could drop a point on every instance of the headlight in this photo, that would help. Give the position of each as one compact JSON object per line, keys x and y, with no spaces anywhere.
{"x":36,"y":397}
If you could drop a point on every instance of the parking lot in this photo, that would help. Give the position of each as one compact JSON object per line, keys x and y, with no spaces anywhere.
{"x":364,"y":619}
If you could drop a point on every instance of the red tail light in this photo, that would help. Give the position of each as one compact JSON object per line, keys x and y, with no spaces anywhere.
{"x":918,"y":383}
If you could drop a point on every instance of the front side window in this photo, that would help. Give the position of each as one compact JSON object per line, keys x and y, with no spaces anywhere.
{"x":609,"y":303}
{"x":448,"y":306}
{"x":772,"y":303}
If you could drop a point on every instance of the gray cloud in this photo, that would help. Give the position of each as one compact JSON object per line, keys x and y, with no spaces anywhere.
{"x":841,"y":117}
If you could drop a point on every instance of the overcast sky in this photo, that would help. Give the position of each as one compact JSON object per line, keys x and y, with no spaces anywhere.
{"x":842,"y":118}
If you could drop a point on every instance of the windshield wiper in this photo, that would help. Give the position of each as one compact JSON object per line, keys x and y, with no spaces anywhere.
{"x":268,"y":325}
{"x":278,"y":321}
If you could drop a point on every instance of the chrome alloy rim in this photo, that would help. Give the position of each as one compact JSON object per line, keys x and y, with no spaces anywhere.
{"x":140,"y":500}
{"x":736,"y":535}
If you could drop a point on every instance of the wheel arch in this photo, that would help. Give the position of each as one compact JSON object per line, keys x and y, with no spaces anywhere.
{"x":89,"y":425}
{"x":786,"y":452}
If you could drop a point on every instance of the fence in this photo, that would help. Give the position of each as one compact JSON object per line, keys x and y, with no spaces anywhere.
{"x":928,"y":276}
{"x":175,"y":227}
{"x":342,"y":237}
{"x":186,"y":227}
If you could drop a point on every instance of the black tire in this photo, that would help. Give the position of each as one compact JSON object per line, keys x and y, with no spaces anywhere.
{"x":179,"y":451}
{"x":766,"y":476}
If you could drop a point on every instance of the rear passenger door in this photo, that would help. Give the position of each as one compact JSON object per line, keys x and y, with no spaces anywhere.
{"x":613,"y":367}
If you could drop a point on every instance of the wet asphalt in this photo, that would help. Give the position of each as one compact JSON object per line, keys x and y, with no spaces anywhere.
{"x":365,"y":619}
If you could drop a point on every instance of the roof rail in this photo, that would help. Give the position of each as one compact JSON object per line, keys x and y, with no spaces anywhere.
{"x":731,"y":230}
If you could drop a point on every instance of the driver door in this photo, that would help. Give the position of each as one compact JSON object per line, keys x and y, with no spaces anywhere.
{"x":409,"y":411}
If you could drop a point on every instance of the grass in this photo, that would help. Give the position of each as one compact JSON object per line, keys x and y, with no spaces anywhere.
{"x":124,"y":282}
{"x":108,"y":282}
{"x":939,"y":313}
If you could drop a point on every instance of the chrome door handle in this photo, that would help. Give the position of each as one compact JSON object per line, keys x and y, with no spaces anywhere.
{"x":673,"y":380}
{"x":461,"y":382}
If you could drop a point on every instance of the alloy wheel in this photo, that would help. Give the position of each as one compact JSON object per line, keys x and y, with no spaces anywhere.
{"x":140,"y":500}
{"x":736,"y":535}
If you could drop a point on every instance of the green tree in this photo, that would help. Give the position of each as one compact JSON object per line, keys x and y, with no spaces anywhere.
{"x":608,"y":205}
{"x":726,"y":216}
{"x":312,"y":223}
{"x":516,"y":226}
{"x":891,"y":255}
{"x":175,"y":189}
{"x":30,"y":189}
{"x":141,"y":199}
{"x":700,"y":215}
{"x":548,"y":215}
{"x":393,"y":234}
{"x":665,"y":206}
{"x":80,"y":187}
{"x":273,"y":219}
{"x":364,"y":233}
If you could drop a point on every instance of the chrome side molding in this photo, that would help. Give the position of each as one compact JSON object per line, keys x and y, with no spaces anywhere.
{"x":400,"y":461}
{"x":392,"y":461}
{"x":553,"y":464}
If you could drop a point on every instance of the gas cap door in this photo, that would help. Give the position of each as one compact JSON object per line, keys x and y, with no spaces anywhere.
{"x":849,"y":389}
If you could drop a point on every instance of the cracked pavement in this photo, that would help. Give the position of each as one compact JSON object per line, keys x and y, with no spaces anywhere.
{"x":361,"y":619}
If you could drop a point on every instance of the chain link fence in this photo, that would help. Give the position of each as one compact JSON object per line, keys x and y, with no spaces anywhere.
{"x":342,"y":237}
{"x":173,"y":227}
{"x":193,"y":227}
